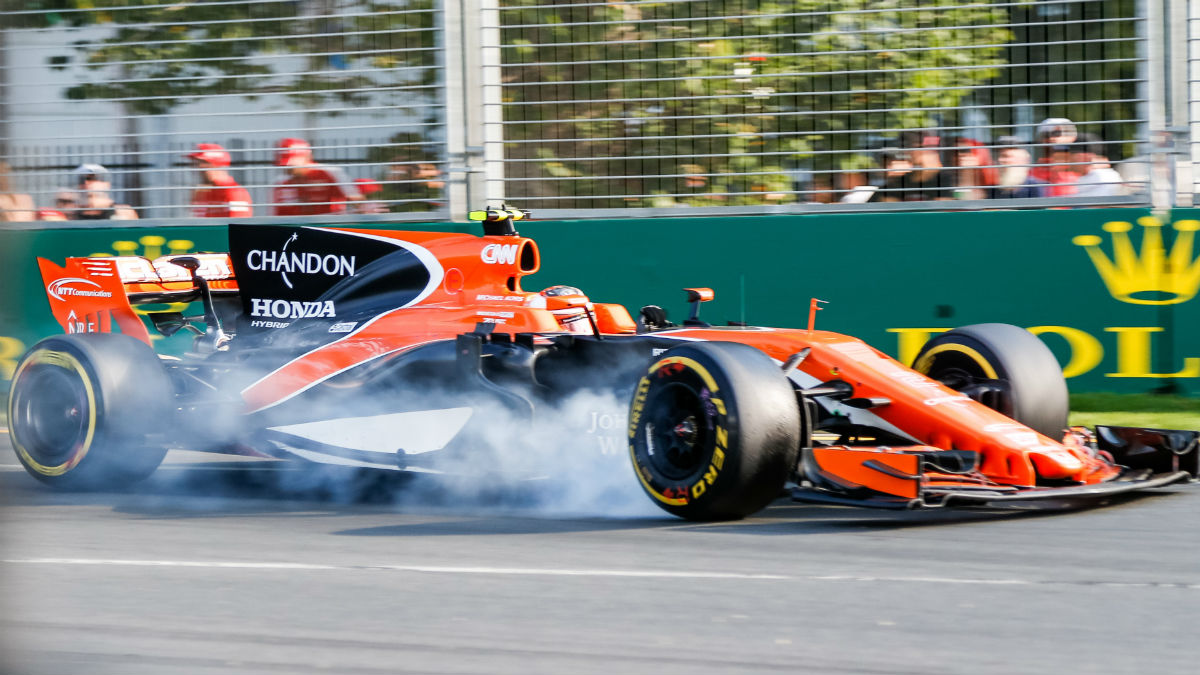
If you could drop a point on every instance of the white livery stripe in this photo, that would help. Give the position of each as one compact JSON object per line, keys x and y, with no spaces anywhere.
{"x":410,"y":432}
{"x":427,"y":258}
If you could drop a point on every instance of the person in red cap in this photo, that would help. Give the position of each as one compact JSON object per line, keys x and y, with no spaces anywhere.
{"x":311,"y":189}
{"x":218,"y":195}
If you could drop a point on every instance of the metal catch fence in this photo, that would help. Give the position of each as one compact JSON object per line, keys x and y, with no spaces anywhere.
{"x":1191,"y":114}
{"x":583,"y":106}
{"x":135,"y":86}
{"x":745,"y":103}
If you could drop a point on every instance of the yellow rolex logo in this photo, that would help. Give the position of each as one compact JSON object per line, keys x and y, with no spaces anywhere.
{"x":151,"y":247}
{"x":1152,"y":276}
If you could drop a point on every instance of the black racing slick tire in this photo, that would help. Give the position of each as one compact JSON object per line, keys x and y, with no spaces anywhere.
{"x":714,"y":431}
{"x":83,"y":410}
{"x":1036,"y":389}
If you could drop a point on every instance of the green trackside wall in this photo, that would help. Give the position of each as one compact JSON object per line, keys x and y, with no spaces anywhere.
{"x":891,"y":278}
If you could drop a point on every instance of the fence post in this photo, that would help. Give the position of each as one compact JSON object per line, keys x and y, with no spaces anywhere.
{"x":492,"y":103}
{"x":1177,"y":99}
{"x":1167,"y":42}
{"x":464,"y":106}
{"x":5,"y":95}
{"x":1156,"y":80}
{"x":1185,"y":95}
{"x":1166,"y":79}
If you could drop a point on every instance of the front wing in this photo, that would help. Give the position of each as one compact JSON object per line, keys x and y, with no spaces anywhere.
{"x":923,"y":476}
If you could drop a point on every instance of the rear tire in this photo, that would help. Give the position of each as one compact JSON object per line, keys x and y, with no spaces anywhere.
{"x":82,"y":408}
{"x":1037,"y":389}
{"x":714,"y":431}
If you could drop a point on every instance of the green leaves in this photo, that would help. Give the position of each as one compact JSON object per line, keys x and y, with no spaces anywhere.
{"x":157,"y":57}
{"x":747,"y":91}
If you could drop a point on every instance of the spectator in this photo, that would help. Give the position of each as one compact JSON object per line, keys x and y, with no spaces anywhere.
{"x":65,"y":202}
{"x":1099,"y":179}
{"x":93,"y":200}
{"x":415,"y":183}
{"x":311,"y":189}
{"x":975,"y":173}
{"x":1056,"y":131}
{"x":369,"y":204}
{"x":1055,"y":135}
{"x":14,"y":207}
{"x":1015,"y":181}
{"x":897,"y":166}
{"x":218,"y":195}
{"x":926,"y":180}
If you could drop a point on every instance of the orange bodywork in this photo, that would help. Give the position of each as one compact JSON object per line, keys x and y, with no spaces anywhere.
{"x":87,"y":296}
{"x":477,"y":280}
{"x":934,"y":414}
{"x":879,"y":470}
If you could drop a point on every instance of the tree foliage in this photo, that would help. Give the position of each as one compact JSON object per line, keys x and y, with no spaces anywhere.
{"x":1095,"y":48}
{"x":639,"y":102}
{"x":728,"y":97}
{"x":159,"y":55}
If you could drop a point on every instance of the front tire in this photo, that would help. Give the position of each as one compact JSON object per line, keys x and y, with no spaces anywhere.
{"x":1036,"y":389}
{"x":82,"y":407}
{"x":714,"y":431}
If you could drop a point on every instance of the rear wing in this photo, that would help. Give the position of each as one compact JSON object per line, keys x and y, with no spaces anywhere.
{"x":90,"y":295}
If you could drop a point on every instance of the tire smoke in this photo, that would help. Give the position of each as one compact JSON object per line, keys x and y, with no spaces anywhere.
{"x":569,"y":459}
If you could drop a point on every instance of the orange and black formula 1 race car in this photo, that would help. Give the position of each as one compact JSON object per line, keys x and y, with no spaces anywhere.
{"x":395,"y":350}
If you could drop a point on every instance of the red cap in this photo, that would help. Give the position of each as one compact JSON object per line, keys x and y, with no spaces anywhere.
{"x":367,"y":186}
{"x":211,"y":153}
{"x":292,"y":148}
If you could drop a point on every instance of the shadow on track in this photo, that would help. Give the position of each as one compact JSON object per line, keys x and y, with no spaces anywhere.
{"x":238,"y":488}
{"x":222,"y":489}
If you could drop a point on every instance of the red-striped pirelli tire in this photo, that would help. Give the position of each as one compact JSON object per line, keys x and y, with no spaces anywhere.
{"x":714,"y":431}
{"x":83,"y":407}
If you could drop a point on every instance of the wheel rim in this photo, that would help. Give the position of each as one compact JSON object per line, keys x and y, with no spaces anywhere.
{"x":677,"y":437}
{"x":969,"y":374}
{"x":52,"y":414}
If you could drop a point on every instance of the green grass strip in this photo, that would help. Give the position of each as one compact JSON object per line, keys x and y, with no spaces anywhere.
{"x":1136,"y":410}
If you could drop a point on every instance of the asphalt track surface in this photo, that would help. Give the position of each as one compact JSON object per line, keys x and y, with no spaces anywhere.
{"x":212,"y":567}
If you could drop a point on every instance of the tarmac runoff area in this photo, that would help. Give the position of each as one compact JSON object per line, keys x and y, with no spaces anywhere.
{"x":212,"y":566}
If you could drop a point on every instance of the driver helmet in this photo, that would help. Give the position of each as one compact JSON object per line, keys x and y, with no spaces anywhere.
{"x":570,"y":306}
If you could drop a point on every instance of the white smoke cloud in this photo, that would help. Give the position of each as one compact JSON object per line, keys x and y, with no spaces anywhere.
{"x":572,"y":462}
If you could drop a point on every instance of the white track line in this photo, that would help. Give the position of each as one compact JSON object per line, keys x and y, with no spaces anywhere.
{"x":558,"y":572}
{"x":435,"y":569}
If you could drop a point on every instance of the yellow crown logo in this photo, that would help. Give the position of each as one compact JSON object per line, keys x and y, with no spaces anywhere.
{"x":1153,"y":276}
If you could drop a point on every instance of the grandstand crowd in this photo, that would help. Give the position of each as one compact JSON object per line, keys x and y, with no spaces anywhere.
{"x":928,"y":167}
{"x":923,"y":166}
